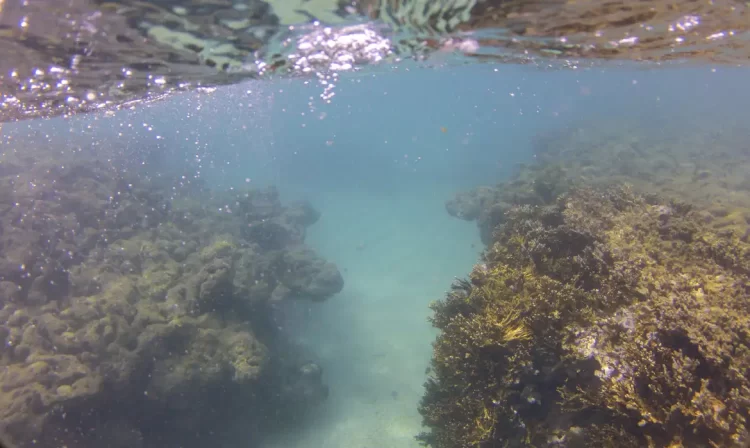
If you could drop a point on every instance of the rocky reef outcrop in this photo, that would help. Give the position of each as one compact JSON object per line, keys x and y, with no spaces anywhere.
{"x":611,"y":305}
{"x":605,"y":319}
{"x":705,"y":167}
{"x":134,"y":316}
{"x":534,"y":185}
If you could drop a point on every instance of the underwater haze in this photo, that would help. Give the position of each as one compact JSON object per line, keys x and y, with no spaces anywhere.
{"x":262,"y":268}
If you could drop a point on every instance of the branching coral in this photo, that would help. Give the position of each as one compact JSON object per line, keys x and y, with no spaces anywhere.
{"x":608,"y":319}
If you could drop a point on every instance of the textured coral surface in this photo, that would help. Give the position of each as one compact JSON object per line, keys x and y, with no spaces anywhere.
{"x":600,"y":315}
{"x":134,"y":316}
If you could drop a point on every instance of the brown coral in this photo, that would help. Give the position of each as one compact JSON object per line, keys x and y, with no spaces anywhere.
{"x":607,"y":319}
{"x":121,"y":308}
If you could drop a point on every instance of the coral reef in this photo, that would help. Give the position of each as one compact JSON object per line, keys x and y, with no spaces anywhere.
{"x":532,"y":185}
{"x":139,"y":317}
{"x":602,"y":313}
{"x":602,"y":317}
{"x":705,"y":167}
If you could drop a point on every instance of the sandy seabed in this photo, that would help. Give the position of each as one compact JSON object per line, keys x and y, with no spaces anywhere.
{"x":397,"y":252}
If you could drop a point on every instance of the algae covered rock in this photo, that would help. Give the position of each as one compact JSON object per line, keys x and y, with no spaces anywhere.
{"x":531,"y":185}
{"x":120,"y":309}
{"x":603,"y":319}
{"x":706,"y":165}
{"x":308,"y":276}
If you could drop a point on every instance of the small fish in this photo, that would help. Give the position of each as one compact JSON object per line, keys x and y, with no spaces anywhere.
{"x":443,"y":129}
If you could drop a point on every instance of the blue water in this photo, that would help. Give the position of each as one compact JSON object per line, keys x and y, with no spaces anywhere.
{"x":379,"y":163}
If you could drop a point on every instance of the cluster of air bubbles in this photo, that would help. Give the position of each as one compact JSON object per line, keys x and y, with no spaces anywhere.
{"x":325,"y":51}
{"x":339,"y":49}
{"x":328,"y":82}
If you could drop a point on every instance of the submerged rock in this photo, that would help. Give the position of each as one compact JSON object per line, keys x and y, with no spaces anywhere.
{"x":118,"y":312}
{"x":603,"y":319}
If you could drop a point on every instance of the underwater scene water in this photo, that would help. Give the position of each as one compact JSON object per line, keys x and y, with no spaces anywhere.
{"x":447,"y":255}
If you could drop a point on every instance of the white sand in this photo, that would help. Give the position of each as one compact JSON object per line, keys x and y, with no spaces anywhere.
{"x":397,"y":254}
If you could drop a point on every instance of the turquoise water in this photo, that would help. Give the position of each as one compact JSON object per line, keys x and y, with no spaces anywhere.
{"x":378,"y":163}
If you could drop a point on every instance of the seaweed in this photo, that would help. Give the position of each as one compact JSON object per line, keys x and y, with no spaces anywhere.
{"x":607,"y":318}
